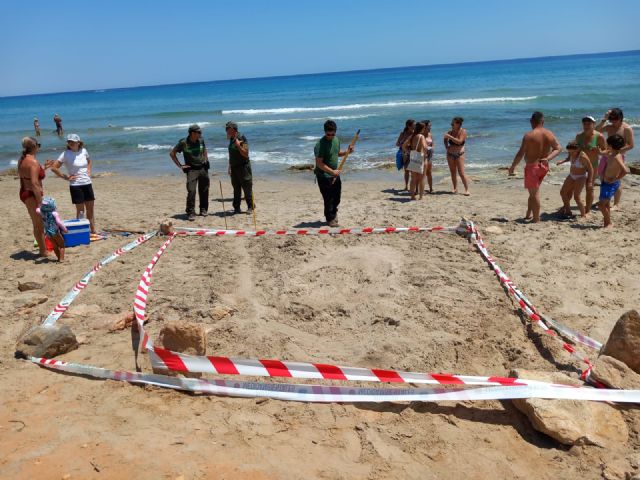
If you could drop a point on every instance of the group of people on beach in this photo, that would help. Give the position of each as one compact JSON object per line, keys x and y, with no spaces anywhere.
{"x":42,"y":210}
{"x":589,"y":154}
{"x":415,"y":155}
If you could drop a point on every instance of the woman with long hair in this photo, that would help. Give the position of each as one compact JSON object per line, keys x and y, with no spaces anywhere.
{"x":454,"y":141}
{"x":402,"y":160}
{"x":31,"y":174}
{"x":416,"y":146}
{"x":428,"y":157}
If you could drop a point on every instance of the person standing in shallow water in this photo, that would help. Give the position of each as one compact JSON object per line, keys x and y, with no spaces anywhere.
{"x":36,"y":126}
{"x":454,"y":141}
{"x":196,"y":168}
{"x":326,"y":152}
{"x":57,"y":119}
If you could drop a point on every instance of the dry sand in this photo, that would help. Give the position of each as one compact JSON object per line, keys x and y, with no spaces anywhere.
{"x":413,"y":302}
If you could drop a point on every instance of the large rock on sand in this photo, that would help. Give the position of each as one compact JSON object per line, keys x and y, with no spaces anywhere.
{"x":571,"y":422}
{"x":47,"y":342}
{"x":615,"y":374}
{"x":184,"y":337}
{"x":624,"y":341}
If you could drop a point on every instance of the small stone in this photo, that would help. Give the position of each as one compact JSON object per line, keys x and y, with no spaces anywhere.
{"x":47,"y":342}
{"x":26,"y":286}
{"x":166,"y":227}
{"x":624,"y":340}
{"x":30,"y":300}
{"x":615,"y":374}
{"x":219,"y":311}
{"x":121,"y":321}
{"x":184,"y":337}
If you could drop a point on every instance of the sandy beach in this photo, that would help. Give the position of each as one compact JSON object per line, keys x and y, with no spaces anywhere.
{"x":417,"y":302}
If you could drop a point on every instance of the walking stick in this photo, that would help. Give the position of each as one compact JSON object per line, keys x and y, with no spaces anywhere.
{"x":346,"y":154}
{"x":253,"y":202}
{"x":224,"y":212}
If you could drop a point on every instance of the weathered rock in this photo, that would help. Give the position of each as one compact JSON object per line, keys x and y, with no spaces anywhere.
{"x":26,"y":286}
{"x":494,"y":229}
{"x":219,"y":311}
{"x":47,"y":342}
{"x":121,"y":321}
{"x":298,"y":168}
{"x":30,"y":300}
{"x":572,"y":422}
{"x":635,"y":168}
{"x":166,"y":227}
{"x":624,"y":340}
{"x":615,"y":374}
{"x":184,"y":337}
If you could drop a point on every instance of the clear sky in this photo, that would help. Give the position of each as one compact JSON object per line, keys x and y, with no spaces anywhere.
{"x":68,"y":45}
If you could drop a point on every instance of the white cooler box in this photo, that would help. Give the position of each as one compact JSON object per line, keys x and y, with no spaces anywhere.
{"x":78,"y":233}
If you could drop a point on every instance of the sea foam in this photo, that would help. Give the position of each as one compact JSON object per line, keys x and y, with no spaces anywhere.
{"x":360,"y":106}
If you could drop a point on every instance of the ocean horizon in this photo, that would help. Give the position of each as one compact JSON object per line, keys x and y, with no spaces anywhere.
{"x":130,"y":130}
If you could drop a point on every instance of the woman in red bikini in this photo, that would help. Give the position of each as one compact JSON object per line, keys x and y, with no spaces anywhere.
{"x":31,"y":174}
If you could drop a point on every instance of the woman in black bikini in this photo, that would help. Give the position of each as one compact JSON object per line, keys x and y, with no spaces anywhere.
{"x":31,"y":174}
{"x":454,"y":141}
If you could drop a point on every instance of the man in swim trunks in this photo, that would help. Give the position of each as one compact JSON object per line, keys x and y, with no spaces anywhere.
{"x":613,"y":172}
{"x":617,"y":126}
{"x":538,"y":147}
{"x":57,"y":119}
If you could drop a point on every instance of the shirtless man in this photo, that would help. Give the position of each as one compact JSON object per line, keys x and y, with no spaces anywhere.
{"x":593,"y":144}
{"x":538,"y":147}
{"x":616,"y":126}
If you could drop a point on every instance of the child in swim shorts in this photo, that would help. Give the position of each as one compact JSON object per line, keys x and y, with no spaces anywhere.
{"x":52,"y":225}
{"x":613,"y":171}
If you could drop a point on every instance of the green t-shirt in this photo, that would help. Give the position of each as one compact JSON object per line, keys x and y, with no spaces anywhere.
{"x":328,"y":151}
{"x":193,"y":152}
{"x":235,"y":157}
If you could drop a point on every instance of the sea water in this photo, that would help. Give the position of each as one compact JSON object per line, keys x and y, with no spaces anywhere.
{"x":131,"y":130}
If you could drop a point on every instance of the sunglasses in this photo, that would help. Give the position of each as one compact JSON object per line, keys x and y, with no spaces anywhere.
{"x":38,"y":145}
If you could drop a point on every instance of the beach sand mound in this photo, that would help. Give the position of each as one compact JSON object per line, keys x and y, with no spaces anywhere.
{"x":416,"y":302}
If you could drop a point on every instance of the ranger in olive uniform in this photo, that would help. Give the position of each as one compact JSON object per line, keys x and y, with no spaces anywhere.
{"x":326,"y":152}
{"x":196,"y":167}
{"x":239,"y":167}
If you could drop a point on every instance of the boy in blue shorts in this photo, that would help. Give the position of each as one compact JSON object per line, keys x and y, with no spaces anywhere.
{"x":610,"y":175}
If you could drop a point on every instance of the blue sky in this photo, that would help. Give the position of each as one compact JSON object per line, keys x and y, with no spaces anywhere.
{"x":54,"y":46}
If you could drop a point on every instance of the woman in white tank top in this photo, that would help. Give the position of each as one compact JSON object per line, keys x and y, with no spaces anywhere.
{"x":416,"y":145}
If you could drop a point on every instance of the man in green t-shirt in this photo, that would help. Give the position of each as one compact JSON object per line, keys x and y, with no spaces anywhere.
{"x":239,"y":168}
{"x":196,"y":168}
{"x":326,"y":152}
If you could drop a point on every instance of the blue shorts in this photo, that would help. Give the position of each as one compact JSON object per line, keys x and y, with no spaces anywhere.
{"x":607,"y":190}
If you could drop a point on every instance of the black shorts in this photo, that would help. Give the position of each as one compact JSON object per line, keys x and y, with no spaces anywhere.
{"x":81,"y":193}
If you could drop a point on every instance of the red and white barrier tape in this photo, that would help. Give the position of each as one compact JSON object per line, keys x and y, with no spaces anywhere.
{"x":326,"y":394}
{"x":62,"y":307}
{"x":493,"y":387}
{"x":525,"y":304}
{"x":312,"y":231}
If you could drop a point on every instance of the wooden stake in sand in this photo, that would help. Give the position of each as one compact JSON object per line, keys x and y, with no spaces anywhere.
{"x":253,"y":207}
{"x":346,"y":154}
{"x":224,"y":212}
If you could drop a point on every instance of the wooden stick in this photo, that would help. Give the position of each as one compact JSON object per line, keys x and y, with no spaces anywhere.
{"x":346,"y":154}
{"x":253,"y":203}
{"x":224,"y":212}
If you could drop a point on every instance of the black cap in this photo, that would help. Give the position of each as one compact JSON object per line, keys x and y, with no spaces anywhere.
{"x":194,"y":128}
{"x":233,"y":125}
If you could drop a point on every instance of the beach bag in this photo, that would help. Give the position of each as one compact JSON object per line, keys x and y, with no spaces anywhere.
{"x":399,"y":159}
{"x":416,"y":161}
